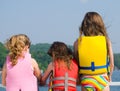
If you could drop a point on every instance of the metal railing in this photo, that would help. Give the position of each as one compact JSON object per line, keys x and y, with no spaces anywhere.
{"x":111,"y":84}
{"x":114,"y":83}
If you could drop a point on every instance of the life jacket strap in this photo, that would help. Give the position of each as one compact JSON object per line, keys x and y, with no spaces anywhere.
{"x":93,"y":67}
{"x":65,"y":84}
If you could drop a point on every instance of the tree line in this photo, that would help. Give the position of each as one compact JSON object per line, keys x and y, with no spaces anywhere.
{"x":39,"y":53}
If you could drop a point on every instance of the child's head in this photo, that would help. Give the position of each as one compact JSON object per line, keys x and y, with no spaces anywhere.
{"x":16,"y":45}
{"x":60,"y":51}
{"x":92,"y":25}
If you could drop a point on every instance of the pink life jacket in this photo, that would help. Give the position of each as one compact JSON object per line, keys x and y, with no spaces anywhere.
{"x":20,"y":77}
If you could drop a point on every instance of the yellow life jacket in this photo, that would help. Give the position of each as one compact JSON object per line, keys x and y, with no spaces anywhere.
{"x":92,"y":53}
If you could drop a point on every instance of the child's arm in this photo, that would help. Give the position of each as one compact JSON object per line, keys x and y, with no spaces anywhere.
{"x":75,"y":51}
{"x":37,"y":71}
{"x":111,"y":58}
{"x":47,"y":73}
{"x":4,"y":75}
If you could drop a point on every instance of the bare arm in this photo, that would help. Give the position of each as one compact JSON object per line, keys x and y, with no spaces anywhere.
{"x":77,"y":58}
{"x":4,"y":75}
{"x":37,"y":71}
{"x":47,"y":73}
{"x":111,"y":58}
{"x":76,"y":51}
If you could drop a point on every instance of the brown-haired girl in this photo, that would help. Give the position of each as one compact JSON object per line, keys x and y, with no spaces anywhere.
{"x":63,"y":68}
{"x":92,"y":49}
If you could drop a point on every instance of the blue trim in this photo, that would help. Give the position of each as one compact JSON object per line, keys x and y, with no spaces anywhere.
{"x":93,"y":67}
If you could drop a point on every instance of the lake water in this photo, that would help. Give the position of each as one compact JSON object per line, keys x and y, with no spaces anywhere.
{"x":115,"y":78}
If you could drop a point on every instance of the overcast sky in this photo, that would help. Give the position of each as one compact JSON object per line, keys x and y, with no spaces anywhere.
{"x":46,"y":21}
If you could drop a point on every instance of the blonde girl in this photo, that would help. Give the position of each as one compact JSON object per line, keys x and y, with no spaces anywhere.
{"x":20,"y":71}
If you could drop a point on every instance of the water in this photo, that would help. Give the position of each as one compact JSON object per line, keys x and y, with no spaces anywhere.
{"x":115,"y":78}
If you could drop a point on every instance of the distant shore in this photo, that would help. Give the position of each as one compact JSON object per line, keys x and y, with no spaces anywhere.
{"x":0,"y":72}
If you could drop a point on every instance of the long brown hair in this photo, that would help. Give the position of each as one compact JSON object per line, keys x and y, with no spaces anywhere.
{"x":93,"y":25}
{"x":61,"y":52}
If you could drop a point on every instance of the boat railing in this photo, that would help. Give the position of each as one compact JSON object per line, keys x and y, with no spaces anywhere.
{"x":111,"y":84}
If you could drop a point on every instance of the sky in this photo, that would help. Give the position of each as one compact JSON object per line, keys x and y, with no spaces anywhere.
{"x":46,"y":21}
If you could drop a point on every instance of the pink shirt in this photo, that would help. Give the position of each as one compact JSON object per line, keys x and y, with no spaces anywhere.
{"x":20,"y":76}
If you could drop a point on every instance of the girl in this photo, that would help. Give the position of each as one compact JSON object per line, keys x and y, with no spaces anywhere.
{"x":20,"y":72}
{"x":63,"y":68}
{"x":92,"y":49}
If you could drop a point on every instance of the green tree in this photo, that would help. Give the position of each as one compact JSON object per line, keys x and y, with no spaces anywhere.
{"x":117,"y":60}
{"x":3,"y":53}
{"x":39,"y":53}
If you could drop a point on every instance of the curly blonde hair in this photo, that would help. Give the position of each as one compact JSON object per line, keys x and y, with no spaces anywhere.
{"x":16,"y":45}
